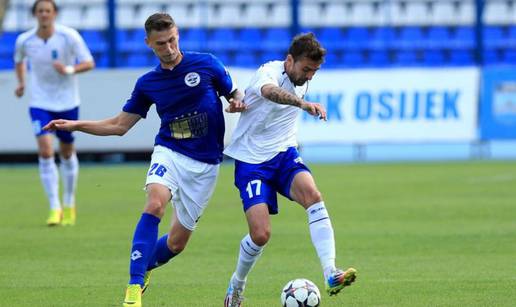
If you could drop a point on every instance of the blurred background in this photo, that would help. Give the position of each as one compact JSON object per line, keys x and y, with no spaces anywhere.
{"x":403,"y":79}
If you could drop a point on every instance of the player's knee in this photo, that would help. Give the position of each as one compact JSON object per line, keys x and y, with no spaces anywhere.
{"x":155,"y":207}
{"x":311,"y":197}
{"x":176,"y":247}
{"x":261,"y":236}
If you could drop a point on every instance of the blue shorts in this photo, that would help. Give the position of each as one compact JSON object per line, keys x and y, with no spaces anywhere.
{"x":42,"y":117}
{"x":259,"y":183}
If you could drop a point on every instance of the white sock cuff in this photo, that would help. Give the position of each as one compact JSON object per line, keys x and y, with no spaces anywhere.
{"x":249,"y":247}
{"x":317,"y":212}
{"x":46,"y":161}
{"x":70,"y":161}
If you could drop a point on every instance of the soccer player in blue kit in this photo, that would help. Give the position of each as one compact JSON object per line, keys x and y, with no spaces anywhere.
{"x":267,"y":162}
{"x":185,"y":87}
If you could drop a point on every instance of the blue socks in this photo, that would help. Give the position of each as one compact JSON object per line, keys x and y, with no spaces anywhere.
{"x":162,"y":254}
{"x":144,"y":242}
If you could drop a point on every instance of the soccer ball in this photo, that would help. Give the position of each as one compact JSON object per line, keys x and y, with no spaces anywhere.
{"x":300,"y":293}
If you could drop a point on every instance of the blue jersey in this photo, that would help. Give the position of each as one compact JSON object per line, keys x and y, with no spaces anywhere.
{"x":188,"y":104}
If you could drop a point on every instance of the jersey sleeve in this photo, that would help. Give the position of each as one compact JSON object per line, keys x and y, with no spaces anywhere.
{"x":138,"y":103}
{"x":264,"y":76}
{"x":19,"y":50}
{"x":80,"y":50}
{"x":223,"y":82}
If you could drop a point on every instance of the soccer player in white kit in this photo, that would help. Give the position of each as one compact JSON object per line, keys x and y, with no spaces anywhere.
{"x":267,"y":162}
{"x":55,"y":54}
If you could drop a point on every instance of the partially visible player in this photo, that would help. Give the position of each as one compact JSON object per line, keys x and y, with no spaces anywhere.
{"x":267,"y":162}
{"x":185,"y":87}
{"x":55,"y":53}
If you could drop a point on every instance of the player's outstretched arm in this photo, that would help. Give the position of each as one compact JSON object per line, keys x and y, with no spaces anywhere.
{"x":278,"y":95}
{"x":117,"y":125}
{"x":236,"y":102}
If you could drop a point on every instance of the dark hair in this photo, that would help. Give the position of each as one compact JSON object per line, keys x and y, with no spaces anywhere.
{"x":159,"y":22}
{"x":35,"y":5}
{"x":306,"y":45}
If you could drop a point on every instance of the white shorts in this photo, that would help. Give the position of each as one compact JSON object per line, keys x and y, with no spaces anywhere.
{"x":191,"y":182}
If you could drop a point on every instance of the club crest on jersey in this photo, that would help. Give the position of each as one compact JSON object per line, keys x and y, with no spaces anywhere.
{"x":192,"y":79}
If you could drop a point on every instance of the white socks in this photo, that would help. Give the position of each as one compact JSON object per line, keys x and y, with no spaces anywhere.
{"x":321,"y":232}
{"x":69,"y":172}
{"x":249,"y":254}
{"x":50,"y":181}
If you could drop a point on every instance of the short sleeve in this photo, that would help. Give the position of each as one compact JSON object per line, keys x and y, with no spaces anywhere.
{"x":138,"y":103}
{"x":80,"y":50}
{"x":19,"y":50}
{"x":223,"y":82}
{"x":264,"y":75}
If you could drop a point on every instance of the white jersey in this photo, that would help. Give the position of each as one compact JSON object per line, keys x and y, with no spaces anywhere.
{"x":50,"y":90}
{"x":266,"y":128}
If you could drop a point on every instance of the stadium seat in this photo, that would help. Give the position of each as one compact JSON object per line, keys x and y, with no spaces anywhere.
{"x":461,"y":57}
{"x":95,"y":17}
{"x":6,"y":62}
{"x":357,"y":38}
{"x":193,"y":39}
{"x":224,"y":57}
{"x":353,"y":58}
{"x":223,"y":14}
{"x":256,"y":15}
{"x":95,"y":40}
{"x":101,"y":59}
{"x":438,"y":37}
{"x":332,"y":38}
{"x":467,"y":12}
{"x":364,"y":14}
{"x":417,"y":14}
{"x":186,"y":15}
{"x":405,"y":58}
{"x":381,"y":37}
{"x":276,"y":39}
{"x":131,"y":40}
{"x":509,"y":56}
{"x":310,"y":14}
{"x":410,"y":37}
{"x":494,"y":37}
{"x":246,"y":59}
{"x":491,"y":57}
{"x":125,"y":16}
{"x":463,"y":37}
{"x":249,"y":39}
{"x":7,"y":42}
{"x":443,"y":13}
{"x":138,"y":59}
{"x":71,"y":15}
{"x":497,"y":12}
{"x":433,"y":57}
{"x":272,"y":56}
{"x":279,"y":14}
{"x":511,"y":36}
{"x":336,"y":14}
{"x":332,"y":59}
{"x":379,"y":58}
{"x":222,"y":39}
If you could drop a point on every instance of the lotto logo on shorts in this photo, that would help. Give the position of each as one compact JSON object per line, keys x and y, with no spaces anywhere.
{"x":298,"y":160}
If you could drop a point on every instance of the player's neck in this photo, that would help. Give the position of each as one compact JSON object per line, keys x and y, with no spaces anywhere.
{"x":45,"y":31}
{"x":171,"y":66}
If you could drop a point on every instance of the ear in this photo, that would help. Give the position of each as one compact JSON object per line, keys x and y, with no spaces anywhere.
{"x":147,"y":42}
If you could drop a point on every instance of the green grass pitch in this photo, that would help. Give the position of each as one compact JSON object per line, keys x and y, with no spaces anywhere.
{"x":431,"y":234}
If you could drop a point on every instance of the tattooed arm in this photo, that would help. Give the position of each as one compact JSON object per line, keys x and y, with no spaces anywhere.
{"x":278,"y":95}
